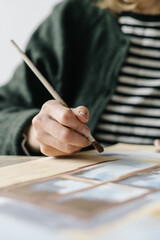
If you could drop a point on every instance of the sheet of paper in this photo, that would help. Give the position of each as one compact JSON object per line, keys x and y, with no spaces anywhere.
{"x":98,"y":199}
{"x":59,"y":186}
{"x":148,"y":179}
{"x":25,"y":221}
{"x":46,"y":167}
{"x":123,"y":147}
{"x":113,"y":170}
{"x":38,"y":197}
{"x":110,"y":192}
{"x":141,"y":223}
{"x":23,"y":217}
{"x":45,"y":192}
{"x":148,"y":156}
{"x":12,"y":160}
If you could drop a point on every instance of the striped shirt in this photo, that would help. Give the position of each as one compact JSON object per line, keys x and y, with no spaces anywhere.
{"x":133,"y":113}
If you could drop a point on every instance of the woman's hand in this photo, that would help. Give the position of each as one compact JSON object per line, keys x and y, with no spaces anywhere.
{"x":157,"y":144}
{"x":57,"y":130}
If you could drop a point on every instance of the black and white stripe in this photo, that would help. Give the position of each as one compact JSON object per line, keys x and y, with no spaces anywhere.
{"x":133,"y":114}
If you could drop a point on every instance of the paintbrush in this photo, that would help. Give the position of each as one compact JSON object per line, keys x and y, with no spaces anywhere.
{"x":51,"y":90}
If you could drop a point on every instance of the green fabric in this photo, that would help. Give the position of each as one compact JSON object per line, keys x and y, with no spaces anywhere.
{"x":80,"y":49}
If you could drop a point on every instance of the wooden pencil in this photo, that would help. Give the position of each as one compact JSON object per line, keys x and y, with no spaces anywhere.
{"x":51,"y":90}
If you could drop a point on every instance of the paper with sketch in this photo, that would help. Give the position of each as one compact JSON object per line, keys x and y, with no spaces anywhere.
{"x":142,"y":224}
{"x":46,"y":167}
{"x":32,"y":220}
{"x":45,"y":192}
{"x":148,"y":179}
{"x":137,"y":155}
{"x":127,"y":224}
{"x":112,"y":170}
{"x":98,"y":199}
{"x":69,"y":207}
{"x":19,"y":220}
{"x":59,"y":186}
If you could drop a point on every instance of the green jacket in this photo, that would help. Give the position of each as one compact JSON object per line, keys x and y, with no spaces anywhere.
{"x":80,"y":49}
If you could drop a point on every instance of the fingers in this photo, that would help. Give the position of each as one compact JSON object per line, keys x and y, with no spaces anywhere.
{"x":82,"y":113}
{"x":66,"y":117}
{"x":157,"y":144}
{"x":47,"y":139}
{"x":50,"y":151}
{"x":61,"y":131}
{"x":49,"y":144}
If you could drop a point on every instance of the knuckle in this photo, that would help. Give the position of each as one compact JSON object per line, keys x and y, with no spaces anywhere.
{"x":45,"y":106}
{"x":66,"y":116}
{"x":68,"y":149}
{"x":39,"y":120}
{"x":36,"y":120}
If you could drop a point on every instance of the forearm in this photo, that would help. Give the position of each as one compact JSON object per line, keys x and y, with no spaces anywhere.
{"x":13,"y":121}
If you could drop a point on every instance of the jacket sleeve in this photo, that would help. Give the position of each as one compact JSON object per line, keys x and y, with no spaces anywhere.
{"x":57,"y":48}
{"x":22,"y":98}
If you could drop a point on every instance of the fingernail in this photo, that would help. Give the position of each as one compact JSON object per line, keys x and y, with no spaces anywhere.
{"x":83,"y":114}
{"x":86,"y":131}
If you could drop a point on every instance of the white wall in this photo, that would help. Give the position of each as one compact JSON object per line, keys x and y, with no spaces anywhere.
{"x":18,"y":19}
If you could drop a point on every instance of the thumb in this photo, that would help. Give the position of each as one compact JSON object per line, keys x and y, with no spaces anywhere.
{"x":82,"y":113}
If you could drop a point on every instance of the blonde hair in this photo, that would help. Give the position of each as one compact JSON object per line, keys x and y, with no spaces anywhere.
{"x":118,"y":6}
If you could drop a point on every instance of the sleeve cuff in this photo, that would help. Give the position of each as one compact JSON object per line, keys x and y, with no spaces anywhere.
{"x":23,"y":145}
{"x":19,"y":123}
